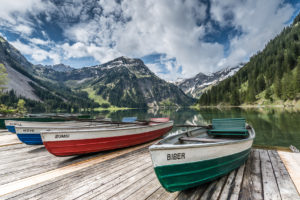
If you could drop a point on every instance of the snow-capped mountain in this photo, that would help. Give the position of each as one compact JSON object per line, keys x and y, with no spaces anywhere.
{"x":195,"y":86}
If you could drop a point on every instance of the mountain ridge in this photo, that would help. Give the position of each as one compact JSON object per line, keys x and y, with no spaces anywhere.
{"x":122,"y":82}
{"x":198,"y":84}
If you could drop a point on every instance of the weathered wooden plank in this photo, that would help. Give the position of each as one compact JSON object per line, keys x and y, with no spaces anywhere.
{"x":77,"y":178}
{"x":214,"y":189}
{"x":256,"y":176}
{"x":9,"y":139}
{"x":134,"y":187}
{"x":286,"y":187}
{"x":227,"y":189}
{"x":162,"y":194}
{"x":270,"y":187}
{"x":247,"y":184}
{"x":199,"y":191}
{"x":45,"y":163}
{"x":126,"y":181}
{"x":17,"y":149}
{"x":251,"y":187}
{"x":22,"y":164}
{"x":103,"y":182}
{"x":157,"y":194}
{"x":292,"y":163}
{"x":146,"y":190}
{"x":38,"y":179}
{"x":26,"y":153}
{"x":237,"y":184}
{"x":168,"y":196}
{"x":109,"y":190}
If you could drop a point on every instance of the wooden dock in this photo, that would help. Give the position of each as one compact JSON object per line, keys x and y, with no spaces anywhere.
{"x":30,"y":172}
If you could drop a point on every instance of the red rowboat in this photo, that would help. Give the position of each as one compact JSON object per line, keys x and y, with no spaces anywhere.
{"x":81,"y":141}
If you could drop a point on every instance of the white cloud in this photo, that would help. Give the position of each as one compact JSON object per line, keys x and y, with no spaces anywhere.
{"x":137,"y":28}
{"x":259,"y":21}
{"x":36,"y":53}
{"x":24,"y":29}
{"x":14,"y":14}
{"x":39,"y":41}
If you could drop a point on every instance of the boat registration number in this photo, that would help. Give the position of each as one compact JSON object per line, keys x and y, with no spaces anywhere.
{"x":175,"y":156}
{"x":62,"y":136}
{"x":28,"y":130}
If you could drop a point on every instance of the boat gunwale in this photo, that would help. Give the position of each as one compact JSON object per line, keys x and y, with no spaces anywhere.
{"x":58,"y":127}
{"x":158,"y":146}
{"x":112,"y":129}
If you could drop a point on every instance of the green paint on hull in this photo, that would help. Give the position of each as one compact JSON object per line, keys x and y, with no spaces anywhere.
{"x":179,"y":177}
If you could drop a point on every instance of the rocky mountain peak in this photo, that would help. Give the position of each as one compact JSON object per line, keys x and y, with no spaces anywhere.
{"x":196,"y":85}
{"x":58,"y":67}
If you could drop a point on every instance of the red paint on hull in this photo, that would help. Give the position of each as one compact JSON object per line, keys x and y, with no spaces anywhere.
{"x":76,"y":147}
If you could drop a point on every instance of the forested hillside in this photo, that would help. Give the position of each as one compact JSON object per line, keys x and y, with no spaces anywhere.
{"x":272,"y":75}
{"x":22,"y":82}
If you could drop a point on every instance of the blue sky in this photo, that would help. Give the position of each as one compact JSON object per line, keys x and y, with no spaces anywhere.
{"x":175,"y":38}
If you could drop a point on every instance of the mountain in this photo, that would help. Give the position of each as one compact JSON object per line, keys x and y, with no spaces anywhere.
{"x":17,"y":68}
{"x":123,"y":82}
{"x":272,"y":76}
{"x":58,"y":67}
{"x":39,"y":93}
{"x":196,"y":85}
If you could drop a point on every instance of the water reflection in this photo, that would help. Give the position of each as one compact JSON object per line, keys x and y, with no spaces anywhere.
{"x":273,"y":126}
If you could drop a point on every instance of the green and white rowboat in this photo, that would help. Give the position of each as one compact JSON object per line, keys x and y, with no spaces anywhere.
{"x":198,"y":156}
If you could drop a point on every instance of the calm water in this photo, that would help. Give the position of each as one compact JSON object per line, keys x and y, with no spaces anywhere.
{"x":274,"y":127}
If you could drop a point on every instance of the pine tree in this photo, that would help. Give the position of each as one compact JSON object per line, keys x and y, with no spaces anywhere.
{"x":277,"y":86}
{"x":268,"y":94}
{"x":251,"y":95}
{"x":297,"y":78}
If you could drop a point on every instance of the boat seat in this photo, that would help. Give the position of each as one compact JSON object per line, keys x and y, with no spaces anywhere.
{"x":228,"y":127}
{"x":129,"y":119}
{"x":204,"y":140}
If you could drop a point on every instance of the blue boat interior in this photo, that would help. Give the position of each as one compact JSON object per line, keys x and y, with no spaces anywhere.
{"x":129,"y":119}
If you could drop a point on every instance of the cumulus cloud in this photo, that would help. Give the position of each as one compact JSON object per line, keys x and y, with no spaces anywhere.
{"x":259,"y":21}
{"x":37,"y":54}
{"x":107,"y":29}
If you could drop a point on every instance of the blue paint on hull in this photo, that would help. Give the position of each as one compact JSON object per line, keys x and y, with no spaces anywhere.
{"x":11,"y":129}
{"x":30,"y":139}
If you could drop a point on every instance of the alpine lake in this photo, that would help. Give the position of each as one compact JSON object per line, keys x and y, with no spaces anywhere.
{"x":274,"y":127}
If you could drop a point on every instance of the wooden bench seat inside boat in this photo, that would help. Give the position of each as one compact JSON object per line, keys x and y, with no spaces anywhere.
{"x":203,"y":140}
{"x":233,"y":126}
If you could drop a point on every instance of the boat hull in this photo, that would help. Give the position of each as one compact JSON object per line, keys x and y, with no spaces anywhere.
{"x":179,"y":177}
{"x":10,"y":123}
{"x":103,"y":142}
{"x":182,"y":166}
{"x":30,"y":135}
{"x":30,"y":139}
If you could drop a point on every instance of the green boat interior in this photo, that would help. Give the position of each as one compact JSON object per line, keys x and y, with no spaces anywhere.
{"x":223,"y":130}
{"x":232,"y":126}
